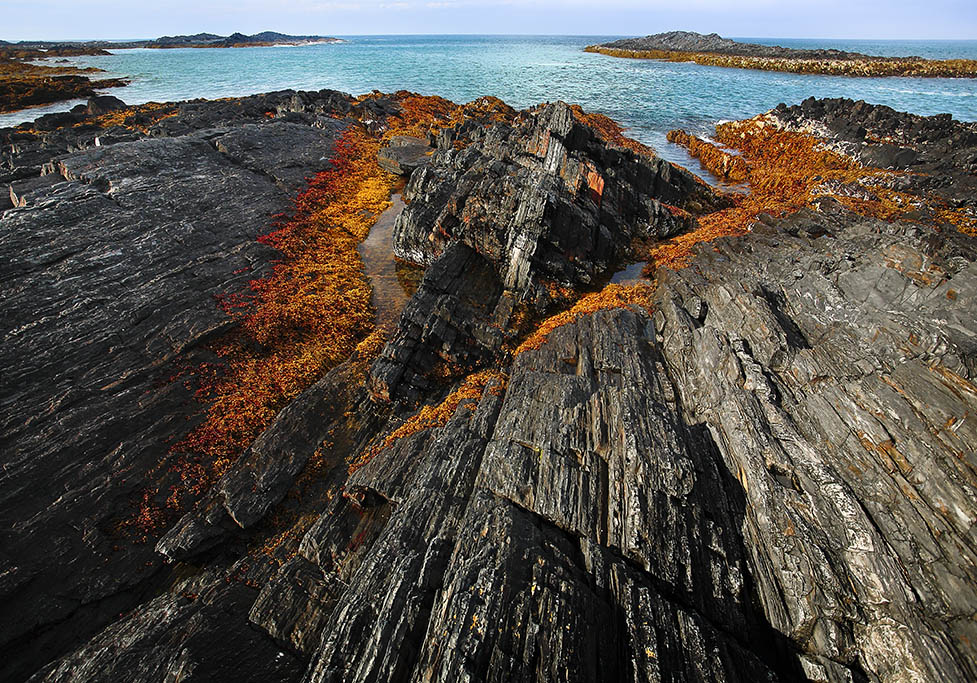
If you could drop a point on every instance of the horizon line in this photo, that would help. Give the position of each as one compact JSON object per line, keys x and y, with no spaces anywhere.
{"x":513,"y":34}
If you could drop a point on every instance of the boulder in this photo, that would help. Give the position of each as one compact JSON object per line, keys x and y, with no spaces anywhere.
{"x":103,"y":104}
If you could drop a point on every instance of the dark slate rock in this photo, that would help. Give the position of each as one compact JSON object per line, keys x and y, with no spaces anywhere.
{"x":283,"y":151}
{"x":188,"y":634}
{"x":940,"y":152}
{"x":103,"y":104}
{"x":543,"y":197}
{"x":767,"y":477}
{"x":404,"y":154}
{"x":449,"y":325}
{"x":21,"y":191}
{"x":263,"y":474}
{"x":113,"y":261}
{"x":537,"y":201}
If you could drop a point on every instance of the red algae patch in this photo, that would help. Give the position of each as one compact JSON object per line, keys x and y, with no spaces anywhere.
{"x":307,"y":315}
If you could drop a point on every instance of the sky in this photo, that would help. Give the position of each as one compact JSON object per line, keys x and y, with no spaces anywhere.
{"x":120,"y":19}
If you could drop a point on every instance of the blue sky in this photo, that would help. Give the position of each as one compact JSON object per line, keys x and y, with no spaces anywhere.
{"x":114,"y":19}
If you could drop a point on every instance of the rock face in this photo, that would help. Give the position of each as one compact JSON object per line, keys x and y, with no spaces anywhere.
{"x":111,"y":266}
{"x":544,"y":196}
{"x":543,"y":200}
{"x":940,"y":153}
{"x":767,"y":474}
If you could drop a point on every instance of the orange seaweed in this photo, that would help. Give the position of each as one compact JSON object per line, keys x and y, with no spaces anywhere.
{"x":432,"y":417}
{"x":611,"y":296}
{"x":872,"y":67}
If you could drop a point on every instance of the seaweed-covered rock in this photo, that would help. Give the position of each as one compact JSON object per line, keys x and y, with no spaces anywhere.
{"x":766,"y":473}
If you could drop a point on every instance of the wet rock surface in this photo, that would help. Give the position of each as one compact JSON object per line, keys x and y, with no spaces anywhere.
{"x":767,"y":475}
{"x":503,"y":211}
{"x":543,"y":197}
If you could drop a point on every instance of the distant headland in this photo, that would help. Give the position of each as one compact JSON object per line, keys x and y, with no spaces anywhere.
{"x":24,"y":83}
{"x":714,"y":50}
{"x":72,"y":48}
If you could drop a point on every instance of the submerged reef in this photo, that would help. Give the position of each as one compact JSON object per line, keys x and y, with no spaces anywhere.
{"x":221,"y":463}
{"x":713,"y":50}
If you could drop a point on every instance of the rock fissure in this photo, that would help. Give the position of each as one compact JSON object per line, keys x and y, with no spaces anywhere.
{"x":756,"y":466}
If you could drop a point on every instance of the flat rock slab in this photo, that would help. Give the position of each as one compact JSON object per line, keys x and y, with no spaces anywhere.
{"x":281,"y":150}
{"x":110,"y":273}
{"x":404,"y":154}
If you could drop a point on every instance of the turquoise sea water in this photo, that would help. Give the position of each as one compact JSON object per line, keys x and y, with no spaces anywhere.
{"x":648,"y":97}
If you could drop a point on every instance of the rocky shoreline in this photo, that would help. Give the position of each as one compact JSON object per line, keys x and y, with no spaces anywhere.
{"x":758,"y":464}
{"x":26,"y":84}
{"x":714,"y":50}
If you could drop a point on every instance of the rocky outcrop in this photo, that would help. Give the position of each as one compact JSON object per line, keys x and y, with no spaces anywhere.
{"x":112,"y":262}
{"x":404,"y":154}
{"x":233,"y":40}
{"x":690,"y":41}
{"x":939,"y":152}
{"x":714,"y":50}
{"x":764,"y":473}
{"x":544,"y":197}
{"x":540,"y":202}
{"x":36,"y":86}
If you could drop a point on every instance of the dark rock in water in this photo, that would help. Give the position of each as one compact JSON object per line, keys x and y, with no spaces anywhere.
{"x":103,"y":104}
{"x":454,"y":321}
{"x":767,"y":477}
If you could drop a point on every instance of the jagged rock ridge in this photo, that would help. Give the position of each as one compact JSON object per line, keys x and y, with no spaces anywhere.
{"x":769,"y":475}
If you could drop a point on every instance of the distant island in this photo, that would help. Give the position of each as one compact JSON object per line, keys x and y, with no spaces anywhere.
{"x":24,"y":83}
{"x":714,"y":50}
{"x":265,"y":38}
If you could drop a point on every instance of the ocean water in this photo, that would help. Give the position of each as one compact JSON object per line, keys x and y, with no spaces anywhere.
{"x":648,"y":97}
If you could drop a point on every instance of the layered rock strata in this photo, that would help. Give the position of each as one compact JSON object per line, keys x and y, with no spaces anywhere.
{"x":766,"y":472}
{"x":119,"y":244}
